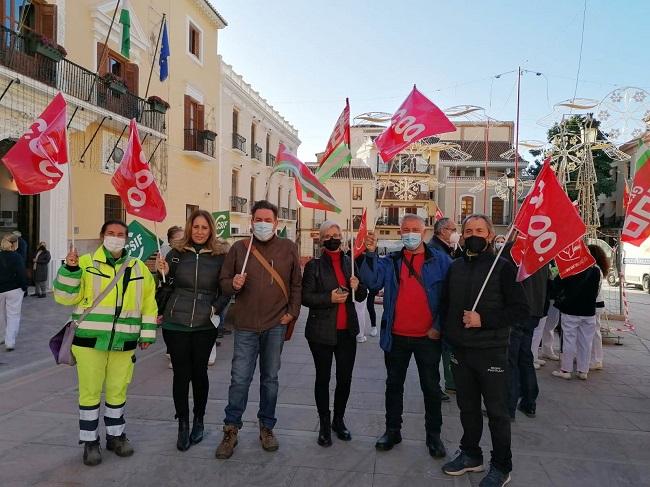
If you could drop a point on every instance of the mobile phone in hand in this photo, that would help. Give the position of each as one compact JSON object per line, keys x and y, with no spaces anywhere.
{"x":342,"y":290}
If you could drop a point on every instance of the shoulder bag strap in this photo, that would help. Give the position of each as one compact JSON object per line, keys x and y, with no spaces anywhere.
{"x":274,"y":274}
{"x":106,"y":290}
{"x":409,"y":266}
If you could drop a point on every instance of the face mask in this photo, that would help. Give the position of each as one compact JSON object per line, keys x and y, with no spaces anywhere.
{"x":263,"y":231}
{"x":498,"y":245}
{"x":454,"y":238}
{"x":114,"y":244}
{"x":332,"y":244}
{"x":411,"y":240}
{"x":475,"y":244}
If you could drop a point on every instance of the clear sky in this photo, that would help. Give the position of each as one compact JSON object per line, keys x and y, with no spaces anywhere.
{"x":306,"y":56}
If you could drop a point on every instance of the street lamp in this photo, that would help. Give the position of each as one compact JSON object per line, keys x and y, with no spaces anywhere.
{"x":510,"y":181}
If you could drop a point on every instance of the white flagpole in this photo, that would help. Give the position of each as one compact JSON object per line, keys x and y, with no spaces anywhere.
{"x":351,"y":225}
{"x":248,"y":253}
{"x":155,"y":230}
{"x":487,"y":278}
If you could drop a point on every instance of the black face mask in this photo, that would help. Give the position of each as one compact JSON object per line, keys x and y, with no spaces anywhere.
{"x":475,"y":244}
{"x":332,"y":244}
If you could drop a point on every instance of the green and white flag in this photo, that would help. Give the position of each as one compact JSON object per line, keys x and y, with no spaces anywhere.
{"x":337,"y":153}
{"x":141,"y":243}
{"x":125,"y":20}
{"x":222,"y":222}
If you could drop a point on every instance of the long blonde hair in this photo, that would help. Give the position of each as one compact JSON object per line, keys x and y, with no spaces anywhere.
{"x":216,"y":245}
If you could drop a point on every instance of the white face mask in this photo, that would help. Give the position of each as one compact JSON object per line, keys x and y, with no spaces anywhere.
{"x":411,"y":240}
{"x":498,"y":245}
{"x":454,"y":238}
{"x":263,"y":231}
{"x":114,"y":244}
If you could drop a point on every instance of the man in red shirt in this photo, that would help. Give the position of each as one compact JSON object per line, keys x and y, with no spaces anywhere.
{"x":412,"y":280}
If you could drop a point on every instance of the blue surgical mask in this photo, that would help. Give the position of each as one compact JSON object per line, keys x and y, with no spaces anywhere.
{"x":411,"y":240}
{"x":263,"y":231}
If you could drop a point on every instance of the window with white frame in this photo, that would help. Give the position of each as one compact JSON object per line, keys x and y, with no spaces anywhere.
{"x":194,"y":40}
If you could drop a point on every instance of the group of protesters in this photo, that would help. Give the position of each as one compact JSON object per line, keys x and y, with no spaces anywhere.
{"x":486,"y":346}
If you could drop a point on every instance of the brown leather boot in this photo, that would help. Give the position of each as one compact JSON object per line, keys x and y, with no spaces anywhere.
{"x":269,"y":441}
{"x":228,"y":443}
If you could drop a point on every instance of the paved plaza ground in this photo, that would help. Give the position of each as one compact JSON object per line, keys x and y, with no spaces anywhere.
{"x":593,"y":433}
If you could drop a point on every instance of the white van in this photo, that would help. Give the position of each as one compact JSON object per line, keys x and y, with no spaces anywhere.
{"x":636,"y":264}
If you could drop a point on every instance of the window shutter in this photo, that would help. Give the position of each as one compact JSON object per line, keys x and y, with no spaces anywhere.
{"x":200,"y":116}
{"x":46,"y":20}
{"x":103,"y":67}
{"x":131,"y":77}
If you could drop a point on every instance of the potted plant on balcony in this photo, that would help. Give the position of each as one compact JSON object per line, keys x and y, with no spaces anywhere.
{"x":115,"y":83}
{"x":45,"y":47}
{"x":208,"y":134}
{"x":157,"y":104}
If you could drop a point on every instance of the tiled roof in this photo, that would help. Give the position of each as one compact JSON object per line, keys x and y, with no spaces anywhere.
{"x":358,"y":172}
{"x":476,"y":148}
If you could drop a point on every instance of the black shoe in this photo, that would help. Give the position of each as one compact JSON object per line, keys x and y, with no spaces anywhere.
{"x":92,"y":453}
{"x":528,"y":412}
{"x":435,"y":445}
{"x":444,"y":397}
{"x":338,"y":426}
{"x":495,"y":478}
{"x":389,"y":439}
{"x":34,"y":295}
{"x":183,"y":442}
{"x":325,"y":432}
{"x":197,"y":430}
{"x":463,"y":464}
{"x":119,"y":445}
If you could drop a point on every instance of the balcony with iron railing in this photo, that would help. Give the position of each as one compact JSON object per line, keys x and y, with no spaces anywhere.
{"x":20,"y":54}
{"x":284,"y":213}
{"x":293,"y":214}
{"x":270,"y":160}
{"x":316,"y":223}
{"x":196,"y":141}
{"x":414,"y":196}
{"x":388,"y":221}
{"x":239,"y":142}
{"x":401,"y":167}
{"x":256,"y":153}
{"x":238,"y":204}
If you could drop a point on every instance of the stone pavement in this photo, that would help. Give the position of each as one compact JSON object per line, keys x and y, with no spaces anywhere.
{"x":589,"y":433}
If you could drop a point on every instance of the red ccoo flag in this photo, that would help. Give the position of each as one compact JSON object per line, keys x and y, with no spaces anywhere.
{"x":636,"y":228}
{"x":574,"y":259}
{"x":135,"y":183}
{"x":549,"y":221}
{"x":360,"y":241}
{"x":34,"y":157}
{"x":415,"y":119}
{"x":439,"y":214}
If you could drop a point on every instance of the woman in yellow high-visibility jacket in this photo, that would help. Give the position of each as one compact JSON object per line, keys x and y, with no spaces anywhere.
{"x":105,"y":341}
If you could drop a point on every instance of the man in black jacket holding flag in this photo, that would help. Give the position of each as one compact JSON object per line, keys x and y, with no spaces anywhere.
{"x":479,"y":341}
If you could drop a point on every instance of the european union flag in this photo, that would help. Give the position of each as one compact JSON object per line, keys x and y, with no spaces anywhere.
{"x":164,"y":54}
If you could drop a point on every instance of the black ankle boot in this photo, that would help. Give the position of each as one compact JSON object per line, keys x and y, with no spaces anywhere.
{"x":197,"y":430}
{"x":325,"y":433}
{"x":338,"y":426}
{"x":389,"y":439}
{"x":435,"y":445}
{"x":183,"y":442}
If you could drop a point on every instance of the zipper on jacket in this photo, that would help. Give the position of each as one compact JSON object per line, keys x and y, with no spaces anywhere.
{"x":196,"y":288}
{"x":115,"y":314}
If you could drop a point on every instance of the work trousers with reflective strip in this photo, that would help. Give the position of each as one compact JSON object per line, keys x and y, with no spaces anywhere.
{"x":98,"y":370}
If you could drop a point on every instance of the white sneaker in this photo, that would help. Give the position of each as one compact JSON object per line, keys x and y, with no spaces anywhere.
{"x":596,"y":366}
{"x":373,"y":331}
{"x":536,"y":365}
{"x":541,"y":362}
{"x":582,"y":375}
{"x":361,"y":339}
{"x":551,"y":356}
{"x":561,"y":374}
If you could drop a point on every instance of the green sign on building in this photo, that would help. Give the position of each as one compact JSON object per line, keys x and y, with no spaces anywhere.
{"x":222,"y":222}
{"x":141,"y":242}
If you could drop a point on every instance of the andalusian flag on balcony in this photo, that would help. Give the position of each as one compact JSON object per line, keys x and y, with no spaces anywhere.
{"x":125,"y":20}
{"x":337,"y":153}
{"x":309,"y":190}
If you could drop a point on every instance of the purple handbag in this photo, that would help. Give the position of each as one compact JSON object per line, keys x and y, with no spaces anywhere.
{"x":61,"y":343}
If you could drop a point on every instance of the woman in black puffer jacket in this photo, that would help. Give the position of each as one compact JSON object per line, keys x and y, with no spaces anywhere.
{"x":192,"y":268}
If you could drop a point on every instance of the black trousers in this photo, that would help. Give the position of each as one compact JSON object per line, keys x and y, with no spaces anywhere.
{"x":427,"y":358}
{"x":345,"y":352}
{"x":522,"y":375}
{"x":370,"y":304}
{"x":484,"y":373}
{"x":189,"y":352}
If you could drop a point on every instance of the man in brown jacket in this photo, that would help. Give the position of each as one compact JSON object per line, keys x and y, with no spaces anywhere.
{"x":267,"y":302}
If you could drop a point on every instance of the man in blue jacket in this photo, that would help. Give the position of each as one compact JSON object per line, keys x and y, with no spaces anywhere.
{"x":412,"y":280}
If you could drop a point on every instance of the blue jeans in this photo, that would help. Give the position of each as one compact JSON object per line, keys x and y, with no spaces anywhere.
{"x":248,"y":346}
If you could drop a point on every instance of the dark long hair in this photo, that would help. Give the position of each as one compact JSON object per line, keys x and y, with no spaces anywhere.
{"x":601,"y":258}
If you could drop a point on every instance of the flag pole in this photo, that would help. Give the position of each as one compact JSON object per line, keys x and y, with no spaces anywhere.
{"x":514,"y":196}
{"x":155,"y":230}
{"x":153,"y":61}
{"x":489,"y":274}
{"x":383,"y":195}
{"x":351,"y":226}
